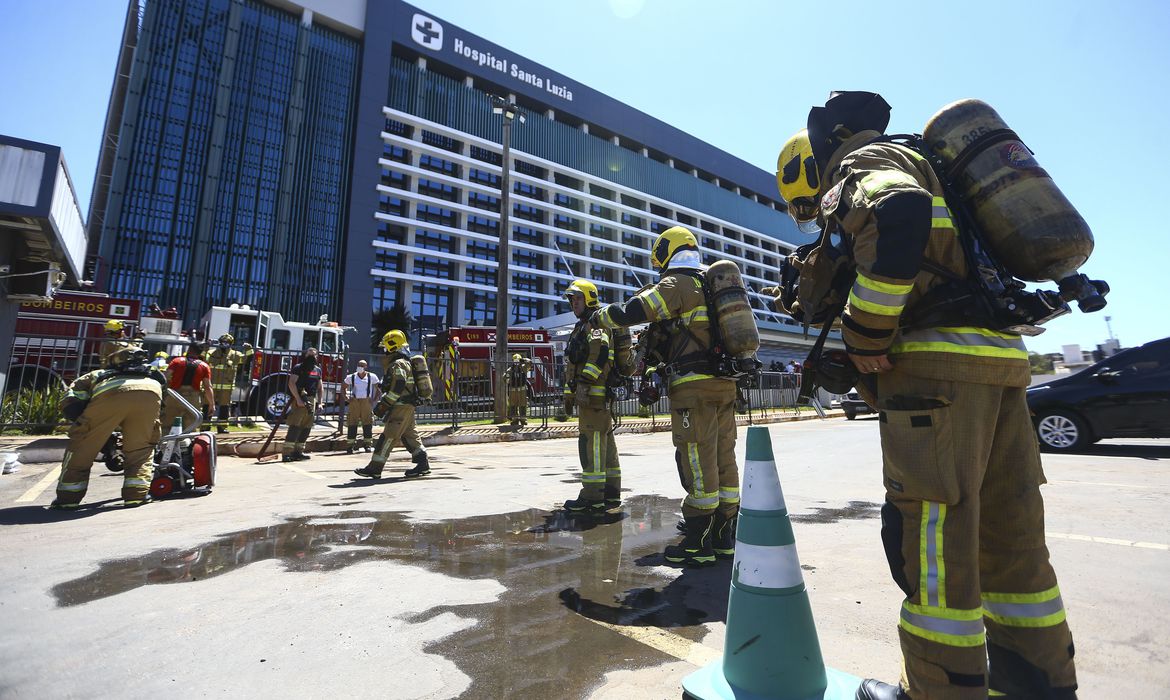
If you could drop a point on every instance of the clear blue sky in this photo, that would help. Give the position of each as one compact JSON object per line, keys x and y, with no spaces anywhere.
{"x":1083,"y":83}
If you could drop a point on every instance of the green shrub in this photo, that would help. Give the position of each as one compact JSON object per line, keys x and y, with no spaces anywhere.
{"x":32,"y":411}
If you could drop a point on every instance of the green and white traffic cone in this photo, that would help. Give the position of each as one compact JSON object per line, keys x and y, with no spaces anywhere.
{"x":771,"y":650}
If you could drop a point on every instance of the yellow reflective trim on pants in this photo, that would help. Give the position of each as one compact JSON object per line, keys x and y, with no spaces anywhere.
{"x":591,"y":371}
{"x":960,"y":350}
{"x":870,"y":307}
{"x":1032,"y":610}
{"x":136,"y":482}
{"x":952,"y":627}
{"x":1041,"y":597}
{"x":962,"y":340}
{"x":932,"y":571}
{"x":596,"y":391}
{"x":696,"y":468}
{"x":72,"y":486}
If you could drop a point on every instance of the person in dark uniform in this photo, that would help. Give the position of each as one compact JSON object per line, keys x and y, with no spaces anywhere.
{"x":304,"y":383}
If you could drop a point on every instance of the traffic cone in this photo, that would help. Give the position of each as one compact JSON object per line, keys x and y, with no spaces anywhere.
{"x":771,"y":650}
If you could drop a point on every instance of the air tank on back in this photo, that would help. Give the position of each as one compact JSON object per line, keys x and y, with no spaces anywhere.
{"x":1025,"y":219}
{"x":737,"y":323}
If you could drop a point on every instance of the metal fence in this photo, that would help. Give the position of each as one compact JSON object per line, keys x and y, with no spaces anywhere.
{"x":463,"y":388}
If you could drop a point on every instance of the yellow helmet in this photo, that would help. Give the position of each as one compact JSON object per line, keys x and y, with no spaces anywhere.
{"x":586,"y":289}
{"x":394,"y":340}
{"x":796,"y":175}
{"x":228,"y":337}
{"x":161,"y":354}
{"x":115,"y":326}
{"x":516,"y":357}
{"x":668,"y":243}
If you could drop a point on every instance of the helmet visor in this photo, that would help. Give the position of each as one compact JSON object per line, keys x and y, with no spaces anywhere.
{"x":803,"y":209}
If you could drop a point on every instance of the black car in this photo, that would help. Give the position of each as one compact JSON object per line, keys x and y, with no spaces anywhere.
{"x":1127,"y":395}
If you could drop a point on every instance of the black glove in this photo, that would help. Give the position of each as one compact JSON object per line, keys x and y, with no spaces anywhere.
{"x":569,"y":403}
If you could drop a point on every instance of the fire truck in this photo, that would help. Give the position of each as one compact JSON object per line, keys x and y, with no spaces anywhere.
{"x":278,"y":346}
{"x":56,"y":341}
{"x":463,"y":362}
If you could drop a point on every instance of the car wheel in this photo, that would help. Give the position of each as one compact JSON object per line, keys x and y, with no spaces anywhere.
{"x":1062,"y":431}
{"x":850,"y":415}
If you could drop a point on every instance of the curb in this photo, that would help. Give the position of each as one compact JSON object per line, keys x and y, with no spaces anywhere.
{"x":40,"y":450}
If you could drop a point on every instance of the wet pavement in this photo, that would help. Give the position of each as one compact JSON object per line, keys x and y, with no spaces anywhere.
{"x":559,"y":572}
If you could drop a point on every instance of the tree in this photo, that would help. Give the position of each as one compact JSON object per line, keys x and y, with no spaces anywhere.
{"x":394,"y":318}
{"x":1041,"y":364}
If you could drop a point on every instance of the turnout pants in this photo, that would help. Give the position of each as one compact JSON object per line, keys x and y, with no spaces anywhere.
{"x":963,"y":530}
{"x":300,"y":421}
{"x":223,"y":404}
{"x":517,"y":402}
{"x":360,"y":413}
{"x":399,"y":425}
{"x":702,"y":425}
{"x":137,"y":413}
{"x":172,"y":409}
{"x":600,"y":469}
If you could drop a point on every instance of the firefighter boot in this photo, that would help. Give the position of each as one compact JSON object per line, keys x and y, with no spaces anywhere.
{"x":585,"y":505}
{"x":871,"y":689}
{"x":695,"y":549}
{"x":422,"y":465}
{"x":351,"y":440}
{"x":222,"y":419}
{"x":613,"y":496}
{"x":372,"y":470}
{"x":723,"y":534}
{"x":368,"y":437}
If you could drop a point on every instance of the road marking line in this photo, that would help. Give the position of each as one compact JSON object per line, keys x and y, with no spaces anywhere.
{"x":40,"y":486}
{"x":1110,"y":540}
{"x":300,"y":471}
{"x":668,"y":643}
{"x":1103,"y":483}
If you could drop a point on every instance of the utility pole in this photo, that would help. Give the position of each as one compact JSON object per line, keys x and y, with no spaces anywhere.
{"x":509,"y":111}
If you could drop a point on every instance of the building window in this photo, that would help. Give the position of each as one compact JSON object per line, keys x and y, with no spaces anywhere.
{"x":440,"y":141}
{"x":479,"y":224}
{"x":385,"y":293}
{"x":481,"y":251}
{"x":530,"y":191}
{"x":528,"y":258}
{"x":531,"y":170}
{"x":485,"y":177}
{"x":391,"y":205}
{"x":430,"y":305}
{"x":483,"y":201}
{"x":486,"y":155}
{"x":632,"y":221}
{"x":392,"y":151}
{"x":523,"y":211}
{"x":525,"y":282}
{"x":566,"y":222}
{"x":436,"y":215}
{"x":387,"y":260}
{"x":430,"y":240}
{"x":394,"y":233}
{"x":525,"y":310}
{"x":438,"y":190}
{"x":525,"y":234}
{"x":479,"y":274}
{"x":396,"y":179}
{"x":393,"y":126}
{"x":438,"y":165}
{"x":480,"y":308}
{"x":426,"y":266}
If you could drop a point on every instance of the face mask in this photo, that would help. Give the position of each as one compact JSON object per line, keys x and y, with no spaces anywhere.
{"x":811,"y":226}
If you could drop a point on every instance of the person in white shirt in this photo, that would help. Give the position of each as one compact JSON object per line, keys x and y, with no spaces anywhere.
{"x":361,"y":391}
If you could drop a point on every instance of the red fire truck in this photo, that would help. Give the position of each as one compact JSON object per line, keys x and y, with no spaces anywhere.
{"x":463,"y":361}
{"x":278,"y":345}
{"x":55,"y":341}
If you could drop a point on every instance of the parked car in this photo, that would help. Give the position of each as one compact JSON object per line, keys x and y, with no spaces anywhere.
{"x":853,"y":405}
{"x":1127,"y":395}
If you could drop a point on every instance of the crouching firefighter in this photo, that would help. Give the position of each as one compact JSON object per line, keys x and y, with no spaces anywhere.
{"x":702,"y":405}
{"x":963,"y":521}
{"x":588,"y":362}
{"x":129,"y":394}
{"x":407,"y":382}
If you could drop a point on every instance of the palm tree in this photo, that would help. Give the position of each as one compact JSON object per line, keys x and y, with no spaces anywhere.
{"x":394,"y":318}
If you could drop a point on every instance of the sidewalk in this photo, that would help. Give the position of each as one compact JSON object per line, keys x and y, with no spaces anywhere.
{"x":36,"y":449}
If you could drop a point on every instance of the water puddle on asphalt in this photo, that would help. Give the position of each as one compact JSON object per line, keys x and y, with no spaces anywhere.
{"x":557,"y":569}
{"x":854,"y":510}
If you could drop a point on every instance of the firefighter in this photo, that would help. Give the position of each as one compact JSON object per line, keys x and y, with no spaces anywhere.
{"x":588,"y":362}
{"x":225,"y":365}
{"x":304,"y":384}
{"x":396,"y":408}
{"x":126,"y":394}
{"x":190,"y":377}
{"x":360,"y":391}
{"x":702,"y":405}
{"x":115,"y":338}
{"x":518,"y":389}
{"x":160,"y":361}
{"x":963,"y":521}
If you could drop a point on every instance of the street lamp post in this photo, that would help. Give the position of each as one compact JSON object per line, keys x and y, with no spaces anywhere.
{"x":509,"y":111}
